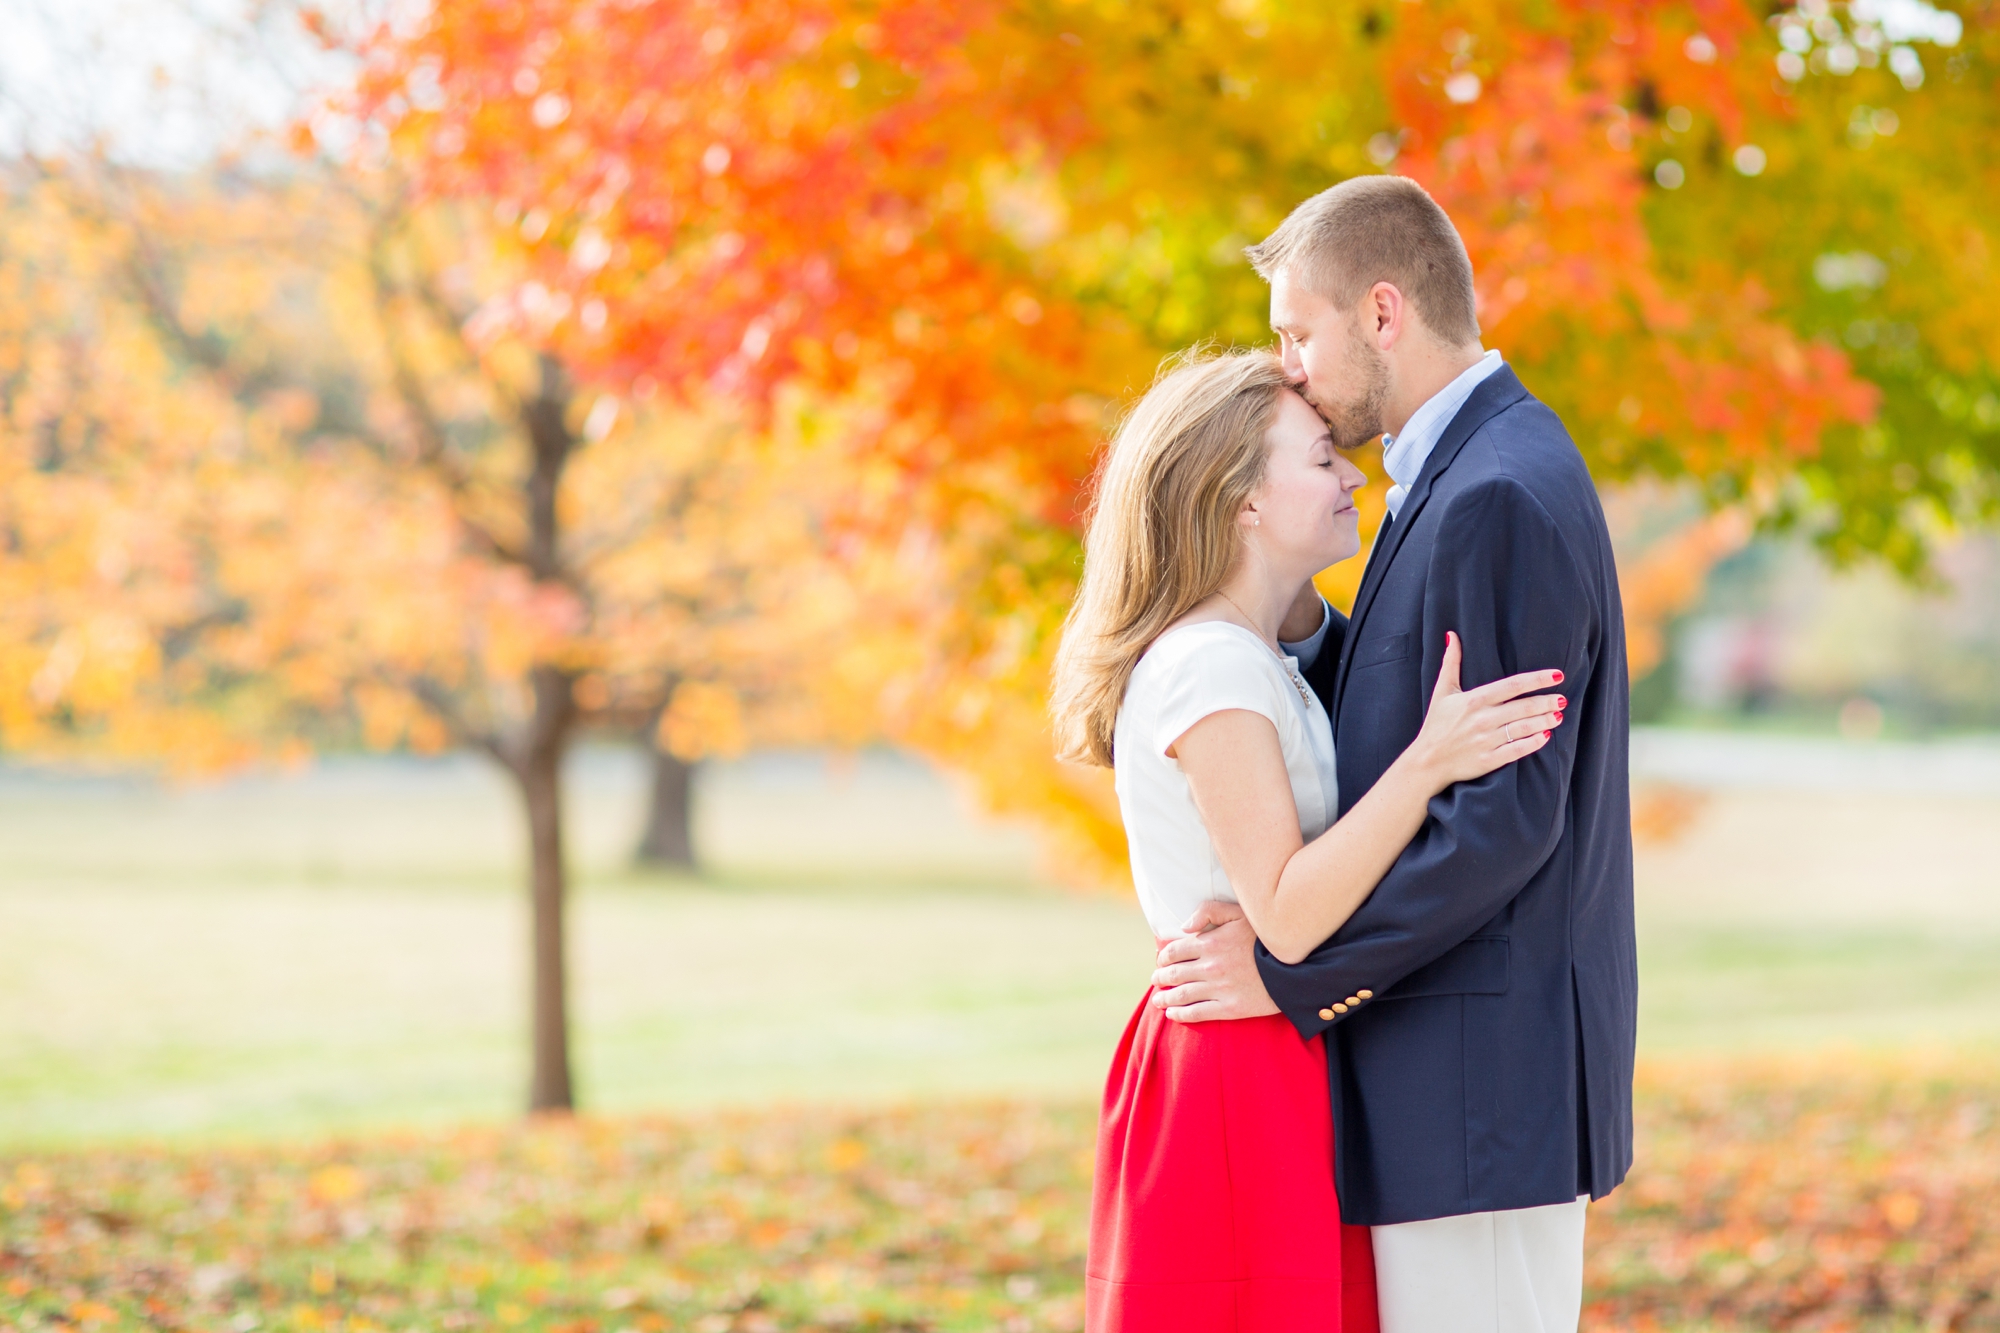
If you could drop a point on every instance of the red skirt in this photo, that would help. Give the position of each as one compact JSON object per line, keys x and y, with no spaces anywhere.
{"x":1213,"y":1208}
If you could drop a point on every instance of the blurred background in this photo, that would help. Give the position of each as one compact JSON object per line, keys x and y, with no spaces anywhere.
{"x":532,"y":534}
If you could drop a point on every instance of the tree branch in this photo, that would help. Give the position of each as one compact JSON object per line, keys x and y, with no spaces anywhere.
{"x":434,"y":451}
{"x":433,"y":695}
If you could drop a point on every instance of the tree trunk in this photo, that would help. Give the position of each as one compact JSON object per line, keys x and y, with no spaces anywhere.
{"x":541,"y":789}
{"x":546,"y":418}
{"x":668,"y":841}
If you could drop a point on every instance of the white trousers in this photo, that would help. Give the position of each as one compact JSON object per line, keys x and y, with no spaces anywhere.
{"x":1519,"y":1271}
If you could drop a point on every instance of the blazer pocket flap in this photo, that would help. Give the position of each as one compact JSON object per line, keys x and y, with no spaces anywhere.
{"x":1478,"y":966}
{"x":1389,"y":648}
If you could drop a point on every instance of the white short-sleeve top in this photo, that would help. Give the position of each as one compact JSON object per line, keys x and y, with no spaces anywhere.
{"x":1187,"y":674}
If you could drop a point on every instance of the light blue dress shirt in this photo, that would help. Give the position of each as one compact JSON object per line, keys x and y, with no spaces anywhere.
{"x":1307,"y":650}
{"x":1403,"y":458}
{"x":1404,"y":455}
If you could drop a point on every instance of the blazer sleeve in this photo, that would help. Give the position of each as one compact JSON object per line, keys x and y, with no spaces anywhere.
{"x":1503,"y":578}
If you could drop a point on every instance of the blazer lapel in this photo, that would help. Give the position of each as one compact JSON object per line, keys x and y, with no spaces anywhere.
{"x":1500,"y":389}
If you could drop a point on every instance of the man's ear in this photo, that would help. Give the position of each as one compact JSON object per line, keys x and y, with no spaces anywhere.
{"x":1389,"y":311}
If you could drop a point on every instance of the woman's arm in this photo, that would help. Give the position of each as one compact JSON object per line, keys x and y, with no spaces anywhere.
{"x":1298,"y":894}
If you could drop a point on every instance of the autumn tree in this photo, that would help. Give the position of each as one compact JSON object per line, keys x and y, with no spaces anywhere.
{"x":395,"y":515}
{"x":105,"y":464}
{"x":931,"y":250}
{"x":456,"y":527}
{"x":863,"y":198}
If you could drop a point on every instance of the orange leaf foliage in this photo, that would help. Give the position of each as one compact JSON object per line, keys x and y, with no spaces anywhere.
{"x":944,"y":243}
{"x":109,"y":466}
{"x":989,"y":220}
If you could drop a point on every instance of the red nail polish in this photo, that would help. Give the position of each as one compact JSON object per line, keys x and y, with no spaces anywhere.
{"x":1545,"y":735}
{"x":1559,"y":677}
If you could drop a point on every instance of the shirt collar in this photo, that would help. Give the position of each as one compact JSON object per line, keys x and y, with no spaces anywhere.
{"x":1404,"y":454}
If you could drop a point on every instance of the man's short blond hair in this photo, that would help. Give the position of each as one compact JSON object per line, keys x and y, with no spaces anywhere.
{"x":1372,"y":229}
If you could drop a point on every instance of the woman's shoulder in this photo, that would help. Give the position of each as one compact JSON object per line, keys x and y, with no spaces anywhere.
{"x":1207,"y":651}
{"x":1193,"y":671}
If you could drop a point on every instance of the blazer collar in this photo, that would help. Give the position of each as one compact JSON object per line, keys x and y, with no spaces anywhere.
{"x":1499,"y":390}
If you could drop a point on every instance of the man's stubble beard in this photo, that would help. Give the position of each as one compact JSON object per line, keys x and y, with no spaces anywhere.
{"x":1357,"y":421}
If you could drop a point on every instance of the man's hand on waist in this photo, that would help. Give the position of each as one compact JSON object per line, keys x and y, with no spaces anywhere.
{"x":1212,"y":973}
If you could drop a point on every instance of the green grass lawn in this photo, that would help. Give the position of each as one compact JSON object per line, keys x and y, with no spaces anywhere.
{"x":344,"y":950}
{"x":274,"y":1010}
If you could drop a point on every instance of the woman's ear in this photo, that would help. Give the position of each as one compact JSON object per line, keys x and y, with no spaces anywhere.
{"x":1248,"y":516}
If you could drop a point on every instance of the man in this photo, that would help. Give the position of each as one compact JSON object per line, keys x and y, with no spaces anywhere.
{"x":1479,"y":1008}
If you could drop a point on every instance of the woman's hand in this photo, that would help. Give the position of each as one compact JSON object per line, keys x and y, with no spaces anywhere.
{"x":1469,"y":733}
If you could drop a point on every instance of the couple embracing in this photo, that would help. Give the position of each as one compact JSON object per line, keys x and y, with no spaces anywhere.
{"x":1386,"y":1060}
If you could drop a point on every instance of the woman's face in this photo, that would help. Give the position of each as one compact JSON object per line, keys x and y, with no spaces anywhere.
{"x":1303,"y":517}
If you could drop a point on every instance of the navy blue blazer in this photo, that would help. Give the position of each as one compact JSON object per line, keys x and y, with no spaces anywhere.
{"x":1488,"y":1063}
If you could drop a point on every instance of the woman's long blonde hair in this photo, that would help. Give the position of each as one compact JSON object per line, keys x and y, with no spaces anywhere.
{"x":1163,"y":532}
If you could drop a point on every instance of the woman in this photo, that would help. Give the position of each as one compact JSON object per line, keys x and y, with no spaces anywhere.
{"x":1222,"y":496}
